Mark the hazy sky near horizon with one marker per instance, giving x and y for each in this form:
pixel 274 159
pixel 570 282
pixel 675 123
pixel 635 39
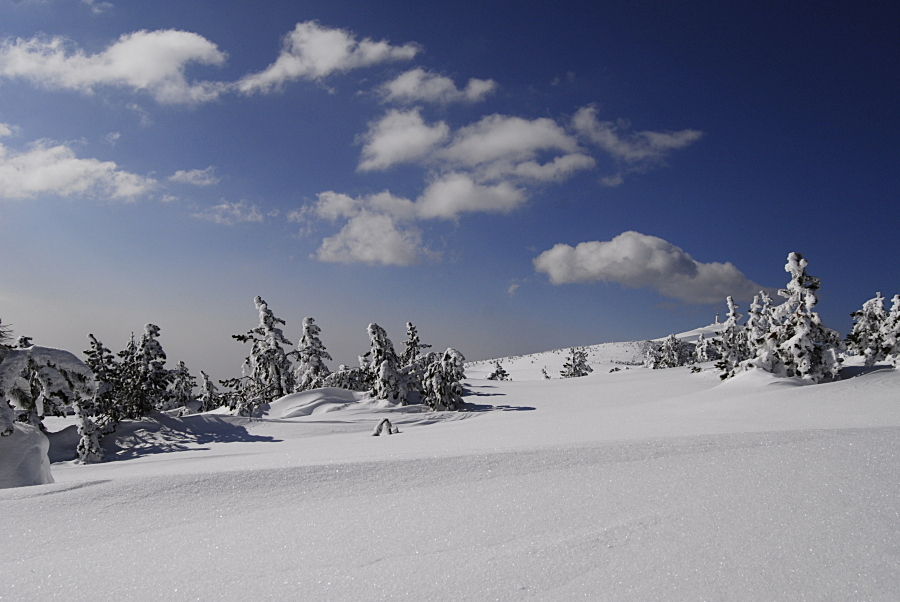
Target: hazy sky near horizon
pixel 510 176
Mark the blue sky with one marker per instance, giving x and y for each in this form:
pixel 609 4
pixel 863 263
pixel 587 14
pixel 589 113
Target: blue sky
pixel 509 176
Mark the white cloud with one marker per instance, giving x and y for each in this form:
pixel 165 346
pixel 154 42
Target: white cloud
pixel 640 261
pixel 196 177
pixel 312 52
pixel 54 169
pixel 626 146
pixel 6 130
pixel 504 138
pixel 418 85
pixel 457 193
pixel 112 137
pixel 97 7
pixel 400 137
pixel 511 291
pixel 146 61
pixel 229 214
pixel 373 238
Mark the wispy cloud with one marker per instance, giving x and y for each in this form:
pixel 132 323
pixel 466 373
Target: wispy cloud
pixel 97 7
pixel 229 214
pixel 51 168
pixel 196 177
pixel 637 260
pixel 144 61
pixel 635 151
pixel 418 85
pixel 313 52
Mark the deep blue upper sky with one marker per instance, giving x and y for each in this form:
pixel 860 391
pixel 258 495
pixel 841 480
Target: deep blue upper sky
pixel 156 168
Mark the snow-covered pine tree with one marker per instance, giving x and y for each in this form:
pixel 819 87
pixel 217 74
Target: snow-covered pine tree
pixel 798 344
pixel 385 378
pixel 267 373
pixel 544 375
pixel 669 353
pixel 867 336
pixel 576 364
pixel 891 330
pixel 345 377
pixel 733 345
pixel 499 372
pixel 209 394
pixel 759 323
pixel 154 377
pixel 311 370
pixel 705 350
pixel 412 348
pixel 182 389
pixel 442 383
pixel 39 381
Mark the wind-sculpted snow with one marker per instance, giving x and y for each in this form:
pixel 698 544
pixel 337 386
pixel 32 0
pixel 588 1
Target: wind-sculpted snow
pixel 632 485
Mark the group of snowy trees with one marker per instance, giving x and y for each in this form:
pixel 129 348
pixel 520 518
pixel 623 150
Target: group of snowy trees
pixel 788 339
pixel 269 371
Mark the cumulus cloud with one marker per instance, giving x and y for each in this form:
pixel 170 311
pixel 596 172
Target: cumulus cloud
pixel 637 260
pixel 47 168
pixel 373 238
pixel 313 52
pixel 196 177
pixel 457 193
pixel 147 61
pixel 418 85
pixel 229 214
pixel 636 151
pixel 400 137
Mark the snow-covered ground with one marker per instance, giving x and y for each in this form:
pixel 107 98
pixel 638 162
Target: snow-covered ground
pixel 634 484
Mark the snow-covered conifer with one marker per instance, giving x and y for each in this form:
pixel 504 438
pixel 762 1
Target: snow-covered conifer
pixel 311 370
pixel 759 323
pixel 345 377
pixel 210 399
pixel 39 381
pixel 669 353
pixel 867 337
pixel 442 383
pixel 891 330
pixel 798 344
pixel 576 364
pixel 385 378
pixel 412 348
pixel 182 390
pixel 544 375
pixel 733 345
pixel 499 372
pixel 705 350
pixel 267 373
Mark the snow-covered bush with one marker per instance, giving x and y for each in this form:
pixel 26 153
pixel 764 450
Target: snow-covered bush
pixel 182 390
pixel 387 427
pixel 442 384
pixel 38 381
pixel 868 335
pixel 669 353
pixel 733 345
pixel 386 381
pixel 576 364
pixel 705 350
pixel 798 344
pixel 544 375
pixel 499 372
pixel 311 370
pixel 267 373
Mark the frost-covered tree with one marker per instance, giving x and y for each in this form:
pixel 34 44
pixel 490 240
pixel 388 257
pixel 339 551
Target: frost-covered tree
pixel 412 347
pixel 544 375
pixel 705 350
pixel 733 345
pixel 760 321
pixel 576 364
pixel 798 344
pixel 182 390
pixel 345 377
pixel 499 372
pixel 385 377
pixel 669 353
pixel 442 383
pixel 867 336
pixel 267 373
pixel 891 330
pixel 210 399
pixel 311 370
pixel 39 381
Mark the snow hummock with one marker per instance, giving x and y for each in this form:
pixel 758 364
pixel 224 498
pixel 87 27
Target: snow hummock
pixel 635 484
pixel 24 457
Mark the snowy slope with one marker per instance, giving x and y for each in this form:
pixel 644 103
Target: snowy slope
pixel 633 485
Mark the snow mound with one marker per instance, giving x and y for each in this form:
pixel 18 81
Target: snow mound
pixel 25 460
pixel 307 403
